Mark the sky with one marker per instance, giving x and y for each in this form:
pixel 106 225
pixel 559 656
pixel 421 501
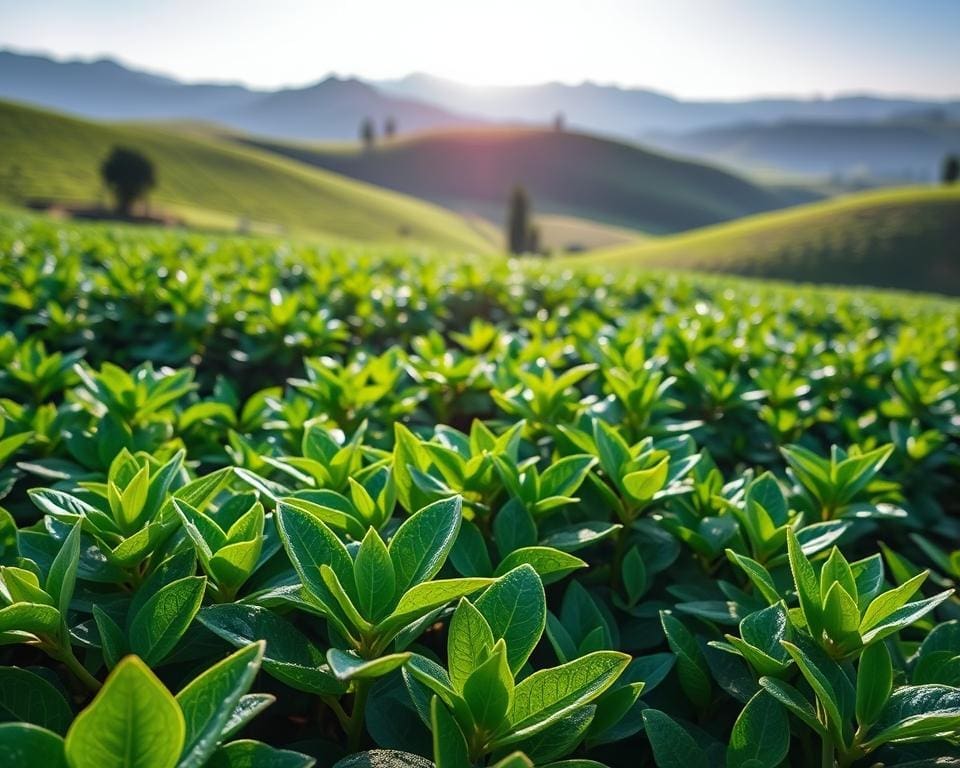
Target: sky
pixel 711 49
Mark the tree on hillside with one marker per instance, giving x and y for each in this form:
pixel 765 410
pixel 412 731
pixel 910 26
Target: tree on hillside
pixel 128 175
pixel 522 235
pixel 951 169
pixel 389 128
pixel 368 133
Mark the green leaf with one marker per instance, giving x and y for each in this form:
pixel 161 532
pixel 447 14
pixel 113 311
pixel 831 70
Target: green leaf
pixel 246 753
pixel 549 694
pixel 514 760
pixel 133 501
pixel 347 665
pixel 691 666
pixel 9 548
pixel 888 602
pixel 515 607
pixel 355 625
pixel 550 564
pixel 761 633
pixel 209 701
pixel 420 546
pixel 63 572
pixel 761 734
pixel 612 451
pixel 874 683
pixel 757 574
pixel 290 656
pixel 310 544
pixel 634 575
pixel 513 528
pixel 917 712
pixel 488 690
pixel 836 569
pixel 469 638
pixel 469 554
pixel 564 477
pixel 133 722
pixel 643 484
pixel 793 700
pixel 157 627
pixel 30 698
pixel 375 577
pixel 24 745
pixel 822 685
pixel 423 598
pixel 249 706
pixel 807 585
pixel 40 620
pixel 672 746
pixel 904 617
pixel 449 745
pixel 841 617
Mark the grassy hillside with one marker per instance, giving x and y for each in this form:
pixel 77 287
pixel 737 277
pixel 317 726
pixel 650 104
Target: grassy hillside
pixel 566 174
pixel 212 182
pixel 906 238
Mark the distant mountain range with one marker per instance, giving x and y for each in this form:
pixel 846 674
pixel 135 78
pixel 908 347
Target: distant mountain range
pixel 632 112
pixel 332 108
pixel 895 150
pixel 891 137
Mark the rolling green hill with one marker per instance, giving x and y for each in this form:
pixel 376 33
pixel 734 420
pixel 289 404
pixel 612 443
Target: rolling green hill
pixel 906 238
pixel 212 182
pixel 567 174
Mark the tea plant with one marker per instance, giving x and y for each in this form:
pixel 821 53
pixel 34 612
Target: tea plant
pixel 466 514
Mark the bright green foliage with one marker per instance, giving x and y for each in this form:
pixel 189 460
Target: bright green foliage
pixel 477 705
pixel 465 513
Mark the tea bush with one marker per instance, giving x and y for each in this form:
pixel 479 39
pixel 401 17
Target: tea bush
pixel 281 505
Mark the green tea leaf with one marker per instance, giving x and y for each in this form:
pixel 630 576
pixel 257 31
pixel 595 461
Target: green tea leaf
pixel 133 722
pixel 29 698
pixel 761 734
pixel 210 700
pixel 347 665
pixel 488 690
pixel 449 745
pixel 374 573
pixel 157 627
pixel 469 637
pixel 24 745
pixel 874 683
pixel 549 694
pixel 515 608
pixel 672 746
pixel 691 666
pixel 420 546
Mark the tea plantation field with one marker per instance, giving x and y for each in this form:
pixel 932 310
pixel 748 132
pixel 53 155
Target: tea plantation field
pixel 273 505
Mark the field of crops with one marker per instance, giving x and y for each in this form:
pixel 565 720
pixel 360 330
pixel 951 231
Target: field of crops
pixel 266 505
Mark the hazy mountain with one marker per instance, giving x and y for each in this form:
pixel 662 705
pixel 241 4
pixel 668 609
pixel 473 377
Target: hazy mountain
pixel 632 112
pixel 108 90
pixel 895 150
pixel 330 109
pixel 333 108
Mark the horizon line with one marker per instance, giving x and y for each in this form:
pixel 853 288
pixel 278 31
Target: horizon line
pixel 333 74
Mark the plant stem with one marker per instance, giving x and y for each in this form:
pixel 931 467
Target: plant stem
pixel 342 717
pixel 355 730
pixel 620 549
pixel 826 753
pixel 73 664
